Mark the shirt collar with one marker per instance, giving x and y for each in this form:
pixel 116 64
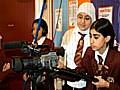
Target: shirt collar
pixel 102 55
pixel 76 30
pixel 41 40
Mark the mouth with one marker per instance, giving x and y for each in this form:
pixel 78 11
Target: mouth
pixel 92 46
pixel 83 26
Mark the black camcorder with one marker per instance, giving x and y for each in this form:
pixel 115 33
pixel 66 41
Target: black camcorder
pixel 34 64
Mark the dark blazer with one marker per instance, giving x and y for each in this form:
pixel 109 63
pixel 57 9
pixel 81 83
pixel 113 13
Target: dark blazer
pixel 89 65
pixel 50 43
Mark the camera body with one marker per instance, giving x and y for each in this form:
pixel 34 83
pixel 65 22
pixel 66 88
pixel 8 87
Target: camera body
pixel 34 64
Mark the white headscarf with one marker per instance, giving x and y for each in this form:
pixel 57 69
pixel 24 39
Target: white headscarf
pixel 87 8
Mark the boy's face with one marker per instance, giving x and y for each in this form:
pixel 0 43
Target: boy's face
pixel 84 21
pixel 97 41
pixel 35 29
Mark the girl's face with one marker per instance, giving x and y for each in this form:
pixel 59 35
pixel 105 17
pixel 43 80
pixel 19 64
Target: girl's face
pixel 97 41
pixel 84 21
pixel 35 29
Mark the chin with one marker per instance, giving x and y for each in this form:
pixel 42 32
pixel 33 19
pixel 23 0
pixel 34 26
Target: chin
pixel 83 29
pixel 94 48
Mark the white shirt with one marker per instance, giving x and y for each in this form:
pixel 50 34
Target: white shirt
pixel 70 53
pixel 40 41
pixel 102 55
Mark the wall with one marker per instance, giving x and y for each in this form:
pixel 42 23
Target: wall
pixel 16 19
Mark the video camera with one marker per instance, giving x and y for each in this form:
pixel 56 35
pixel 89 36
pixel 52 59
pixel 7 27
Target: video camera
pixel 34 64
pixel 38 68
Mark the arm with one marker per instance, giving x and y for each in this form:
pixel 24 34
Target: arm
pixel 85 63
pixel 64 43
pixel 112 80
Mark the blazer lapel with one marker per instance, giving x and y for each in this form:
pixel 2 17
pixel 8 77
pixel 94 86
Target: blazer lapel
pixel 94 63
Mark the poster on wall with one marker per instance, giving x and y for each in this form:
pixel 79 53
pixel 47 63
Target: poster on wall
pixel 105 12
pixel 58 19
pixel 72 13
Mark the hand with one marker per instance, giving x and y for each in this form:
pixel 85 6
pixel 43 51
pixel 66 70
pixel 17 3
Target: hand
pixel 101 83
pixel 6 67
pixel 25 76
pixel 34 45
pixel 60 62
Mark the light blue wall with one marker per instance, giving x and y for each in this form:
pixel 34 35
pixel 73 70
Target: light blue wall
pixel 58 35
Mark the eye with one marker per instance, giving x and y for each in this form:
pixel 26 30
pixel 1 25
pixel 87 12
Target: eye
pixel 80 17
pixel 96 37
pixel 87 18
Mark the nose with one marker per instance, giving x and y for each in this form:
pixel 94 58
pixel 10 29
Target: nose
pixel 91 40
pixel 83 20
pixel 34 32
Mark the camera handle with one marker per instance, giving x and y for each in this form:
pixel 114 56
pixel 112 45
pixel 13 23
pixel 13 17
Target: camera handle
pixel 30 83
pixel 33 85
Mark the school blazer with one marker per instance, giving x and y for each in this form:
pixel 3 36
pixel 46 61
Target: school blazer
pixel 89 65
pixel 49 43
pixel 49 48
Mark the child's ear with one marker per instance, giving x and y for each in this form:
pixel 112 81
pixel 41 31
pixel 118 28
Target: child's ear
pixel 108 38
pixel 43 31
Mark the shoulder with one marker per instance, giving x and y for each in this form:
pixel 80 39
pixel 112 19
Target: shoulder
pixel 47 40
pixel 114 55
pixel 68 32
pixel 66 38
pixel 115 51
pixel 89 49
pixel 89 52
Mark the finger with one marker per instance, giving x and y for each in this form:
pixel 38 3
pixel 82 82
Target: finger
pixel 8 65
pixel 98 77
pixel 94 83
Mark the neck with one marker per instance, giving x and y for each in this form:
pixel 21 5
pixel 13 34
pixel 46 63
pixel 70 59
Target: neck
pixel 102 50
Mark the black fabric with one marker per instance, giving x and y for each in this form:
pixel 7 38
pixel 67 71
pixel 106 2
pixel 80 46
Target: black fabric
pixel 100 59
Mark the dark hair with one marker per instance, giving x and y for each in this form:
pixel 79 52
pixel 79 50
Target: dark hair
pixel 104 27
pixel 43 25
